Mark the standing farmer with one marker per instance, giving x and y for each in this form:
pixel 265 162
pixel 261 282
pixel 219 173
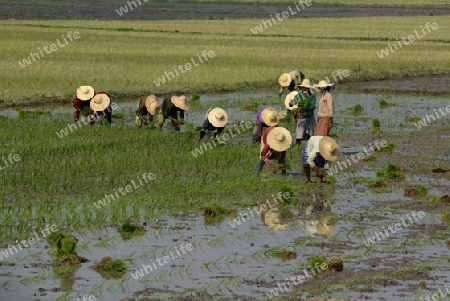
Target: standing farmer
pixel 275 142
pixel 147 106
pixel 305 101
pixel 173 108
pixel 101 106
pixel 82 101
pixel 290 81
pixel 317 151
pixel 265 117
pixel 214 123
pixel 326 109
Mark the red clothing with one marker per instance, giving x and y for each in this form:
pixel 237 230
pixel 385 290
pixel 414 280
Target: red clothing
pixel 265 148
pixel 79 106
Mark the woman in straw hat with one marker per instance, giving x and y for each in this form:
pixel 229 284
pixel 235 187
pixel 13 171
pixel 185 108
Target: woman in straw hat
pixel 305 102
pixel 326 109
pixel 275 142
pixel 101 107
pixel 81 101
pixel 173 108
pixel 214 123
pixel 317 151
pixel 290 81
pixel 264 118
pixel 147 106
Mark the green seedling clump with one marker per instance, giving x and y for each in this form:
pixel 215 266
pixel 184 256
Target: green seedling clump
pixel 110 268
pixel 195 97
pixel 356 110
pixel 422 190
pixel 128 231
pixel 316 260
pixel 65 246
pixel 389 148
pixel 285 213
pixel 282 253
pixel 445 217
pixel 214 212
pixel 392 172
pixel 370 158
pixel 375 123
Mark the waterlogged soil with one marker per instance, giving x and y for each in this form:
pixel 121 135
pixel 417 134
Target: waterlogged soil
pixel 233 259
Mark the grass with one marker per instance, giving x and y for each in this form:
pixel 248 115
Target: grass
pixel 392 172
pixel 174 43
pixel 127 231
pixel 111 268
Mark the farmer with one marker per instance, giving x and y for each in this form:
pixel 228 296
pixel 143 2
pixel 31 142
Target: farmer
pixel 214 123
pixel 101 107
pixel 147 106
pixel 326 109
pixel 264 118
pixel 305 102
pixel 290 81
pixel 275 142
pixel 317 151
pixel 82 101
pixel 173 108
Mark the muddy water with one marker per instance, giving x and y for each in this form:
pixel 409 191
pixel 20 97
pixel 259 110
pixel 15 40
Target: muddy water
pixel 235 262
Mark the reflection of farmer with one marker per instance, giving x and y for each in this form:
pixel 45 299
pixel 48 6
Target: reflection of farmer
pixel 101 106
pixel 173 108
pixel 81 102
pixel 275 142
pixel 264 118
pixel 214 123
pixel 290 81
pixel 318 149
pixel 326 109
pixel 147 107
pixel 305 104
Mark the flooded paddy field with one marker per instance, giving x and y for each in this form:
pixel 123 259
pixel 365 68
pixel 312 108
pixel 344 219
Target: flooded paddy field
pixel 388 231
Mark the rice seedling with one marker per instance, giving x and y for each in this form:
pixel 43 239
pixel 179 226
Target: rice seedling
pixel 389 148
pixel 214 212
pixel 356 110
pixel 412 118
pixel 111 268
pixel 445 217
pixel 392 172
pixel 65 248
pixel 127 230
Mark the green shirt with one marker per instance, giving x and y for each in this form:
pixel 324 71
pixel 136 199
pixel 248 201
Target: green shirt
pixel 306 104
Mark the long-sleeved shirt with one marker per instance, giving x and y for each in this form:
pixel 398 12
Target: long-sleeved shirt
pixel 326 108
pixel 312 150
pixel 169 110
pixel 208 127
pixel 265 146
pixel 108 110
pixel 295 77
pixel 79 105
pixel 142 109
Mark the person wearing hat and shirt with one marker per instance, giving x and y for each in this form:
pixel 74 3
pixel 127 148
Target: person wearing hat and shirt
pixel 147 105
pixel 101 106
pixel 275 142
pixel 81 102
pixel 290 81
pixel 326 109
pixel 214 123
pixel 317 151
pixel 265 117
pixel 173 108
pixel 305 102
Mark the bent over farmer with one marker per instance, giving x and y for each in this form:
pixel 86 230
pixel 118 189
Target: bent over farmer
pixel 101 107
pixel 274 143
pixel 265 117
pixel 214 123
pixel 146 110
pixel 173 108
pixel 317 151
pixel 81 102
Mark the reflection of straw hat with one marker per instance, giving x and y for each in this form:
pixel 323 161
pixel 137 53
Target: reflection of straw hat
pixel 279 139
pixel 328 148
pixel 305 84
pixel 270 116
pixel 285 79
pixel 288 98
pixel 322 226
pixel 271 219
pixel 85 93
pixel 100 102
pixel 323 84
pixel 180 102
pixel 218 117
pixel 152 104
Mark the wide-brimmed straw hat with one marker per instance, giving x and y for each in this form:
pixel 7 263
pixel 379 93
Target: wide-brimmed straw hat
pixel 306 83
pixel 323 84
pixel 152 104
pixel 328 149
pixel 85 93
pixel 288 98
pixel 218 117
pixel 285 79
pixel 270 116
pixel 100 102
pixel 180 102
pixel 279 139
